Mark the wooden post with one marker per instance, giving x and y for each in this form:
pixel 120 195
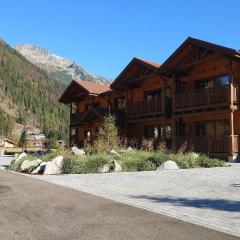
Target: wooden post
pixel 70 129
pixel 231 137
pixel 164 99
pixel 173 108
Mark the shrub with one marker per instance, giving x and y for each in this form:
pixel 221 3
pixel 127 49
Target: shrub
pixel 147 145
pixel 15 166
pixel 74 165
pixel 189 160
pixel 49 156
pixel 158 158
pixel 94 163
pixel 206 162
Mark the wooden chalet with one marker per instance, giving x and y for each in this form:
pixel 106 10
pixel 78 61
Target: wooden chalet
pixel 191 99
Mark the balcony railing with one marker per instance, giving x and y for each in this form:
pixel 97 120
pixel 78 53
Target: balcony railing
pixel 205 97
pixel 221 144
pixel 144 107
pixel 75 117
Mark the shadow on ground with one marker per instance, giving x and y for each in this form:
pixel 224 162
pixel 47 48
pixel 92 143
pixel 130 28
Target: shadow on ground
pixel 216 204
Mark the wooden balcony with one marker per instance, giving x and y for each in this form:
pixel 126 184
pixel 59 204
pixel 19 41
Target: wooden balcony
pixel 208 144
pixel 75 118
pixel 221 96
pixel 146 107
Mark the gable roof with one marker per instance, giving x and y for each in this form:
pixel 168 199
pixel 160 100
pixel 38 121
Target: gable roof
pixel 80 88
pixel 230 52
pixel 148 64
pixel 93 88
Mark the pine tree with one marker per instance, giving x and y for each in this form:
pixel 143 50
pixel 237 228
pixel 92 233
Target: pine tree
pixel 107 138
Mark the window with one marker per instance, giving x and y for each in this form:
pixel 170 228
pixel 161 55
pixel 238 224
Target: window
pixel 152 95
pixel 180 128
pixel 212 128
pixel 212 82
pixel 168 132
pixel 120 102
pixel 151 131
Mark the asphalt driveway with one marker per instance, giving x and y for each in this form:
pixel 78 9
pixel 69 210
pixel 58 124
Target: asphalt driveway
pixel 33 209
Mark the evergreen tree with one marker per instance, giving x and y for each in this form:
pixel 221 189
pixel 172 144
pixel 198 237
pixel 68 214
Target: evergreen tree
pixel 107 138
pixel 23 140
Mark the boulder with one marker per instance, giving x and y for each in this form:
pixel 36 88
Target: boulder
pixel 19 157
pixel 117 167
pixel 40 169
pixel 77 151
pixel 114 152
pixel 129 149
pixel 27 165
pixel 107 168
pixel 168 165
pixel 54 167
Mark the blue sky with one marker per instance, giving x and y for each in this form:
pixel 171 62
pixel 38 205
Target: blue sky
pixel 103 36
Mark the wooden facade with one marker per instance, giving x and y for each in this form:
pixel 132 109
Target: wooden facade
pixel 191 99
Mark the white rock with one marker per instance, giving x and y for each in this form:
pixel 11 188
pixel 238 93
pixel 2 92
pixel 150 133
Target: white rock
pixel 114 152
pixel 43 163
pixel 55 166
pixel 27 164
pixel 168 165
pixel 118 167
pixel 40 169
pixel 77 151
pixel 106 168
pixel 20 157
pixel 129 149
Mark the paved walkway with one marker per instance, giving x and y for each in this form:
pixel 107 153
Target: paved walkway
pixel 208 197
pixel 32 209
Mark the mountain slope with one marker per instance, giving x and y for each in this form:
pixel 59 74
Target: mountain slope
pixel 64 69
pixel 30 94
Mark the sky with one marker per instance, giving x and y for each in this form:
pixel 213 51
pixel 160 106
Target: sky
pixel 104 35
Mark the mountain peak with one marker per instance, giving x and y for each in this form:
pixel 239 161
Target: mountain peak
pixel 56 65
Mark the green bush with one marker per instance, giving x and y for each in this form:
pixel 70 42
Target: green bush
pixel 74 165
pixel 206 162
pixel 15 166
pixel 54 153
pixel 94 163
pixel 188 160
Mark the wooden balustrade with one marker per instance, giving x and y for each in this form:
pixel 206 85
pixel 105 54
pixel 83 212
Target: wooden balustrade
pixel 209 96
pixel 145 107
pixel 218 144
pixel 75 117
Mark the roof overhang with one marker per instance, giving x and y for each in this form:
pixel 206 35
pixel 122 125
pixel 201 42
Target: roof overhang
pixel 134 71
pixel 73 92
pixel 184 51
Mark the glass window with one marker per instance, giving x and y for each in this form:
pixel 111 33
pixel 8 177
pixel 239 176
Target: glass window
pixel 222 128
pixel 212 128
pixel 152 95
pixel 222 80
pixel 152 132
pixel 120 102
pixel 212 82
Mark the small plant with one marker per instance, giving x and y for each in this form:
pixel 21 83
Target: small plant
pixel 95 162
pixel 74 165
pixel 183 148
pixel 162 147
pixel 147 145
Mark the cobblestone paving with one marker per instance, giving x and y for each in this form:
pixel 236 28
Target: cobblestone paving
pixel 207 197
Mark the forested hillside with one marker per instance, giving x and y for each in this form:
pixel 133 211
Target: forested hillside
pixel 30 93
